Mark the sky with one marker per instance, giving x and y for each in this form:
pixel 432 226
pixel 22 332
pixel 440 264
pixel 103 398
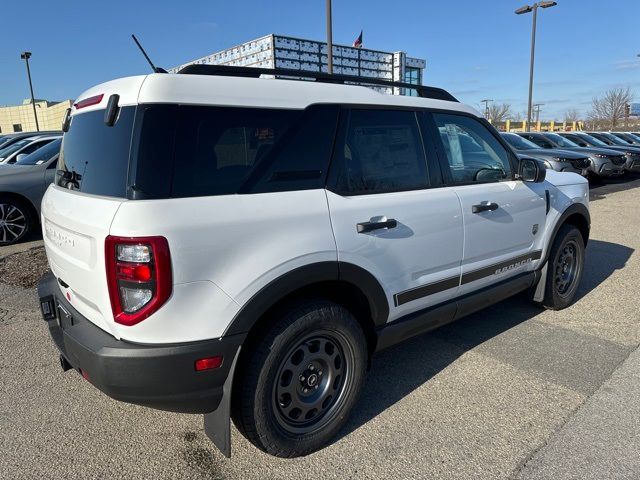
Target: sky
pixel 476 49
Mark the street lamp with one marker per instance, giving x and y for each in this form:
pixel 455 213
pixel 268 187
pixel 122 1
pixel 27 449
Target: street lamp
pixel 26 56
pixel 486 107
pixel 522 10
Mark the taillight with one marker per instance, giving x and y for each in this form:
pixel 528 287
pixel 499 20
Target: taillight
pixel 138 276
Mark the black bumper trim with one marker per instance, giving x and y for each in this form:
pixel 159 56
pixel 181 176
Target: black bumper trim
pixel 157 376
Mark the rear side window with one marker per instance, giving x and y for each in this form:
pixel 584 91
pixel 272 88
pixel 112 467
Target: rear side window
pixel 188 151
pixel 216 148
pixel 380 151
pixel 94 157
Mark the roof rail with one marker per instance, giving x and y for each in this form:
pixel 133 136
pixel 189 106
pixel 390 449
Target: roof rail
pixel 255 72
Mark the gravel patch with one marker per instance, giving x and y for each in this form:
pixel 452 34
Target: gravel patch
pixel 24 269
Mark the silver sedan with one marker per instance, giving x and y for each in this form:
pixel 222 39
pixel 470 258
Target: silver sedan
pixel 22 186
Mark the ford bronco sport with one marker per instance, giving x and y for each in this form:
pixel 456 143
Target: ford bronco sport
pixel 239 246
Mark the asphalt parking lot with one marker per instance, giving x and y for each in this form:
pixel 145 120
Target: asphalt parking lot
pixel 510 392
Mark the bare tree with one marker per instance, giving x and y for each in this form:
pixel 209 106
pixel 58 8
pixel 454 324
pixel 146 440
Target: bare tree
pixel 610 108
pixel 572 115
pixel 498 112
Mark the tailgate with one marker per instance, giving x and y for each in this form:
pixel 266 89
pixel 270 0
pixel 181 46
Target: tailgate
pixel 75 226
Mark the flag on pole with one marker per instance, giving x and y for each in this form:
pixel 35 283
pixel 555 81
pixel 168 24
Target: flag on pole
pixel 358 41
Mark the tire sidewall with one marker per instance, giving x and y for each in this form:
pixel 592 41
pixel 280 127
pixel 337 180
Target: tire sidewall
pixel 274 438
pixel 554 299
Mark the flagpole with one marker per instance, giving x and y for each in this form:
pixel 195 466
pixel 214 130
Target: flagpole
pixel 329 39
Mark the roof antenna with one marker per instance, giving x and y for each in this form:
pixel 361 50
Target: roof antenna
pixel 153 67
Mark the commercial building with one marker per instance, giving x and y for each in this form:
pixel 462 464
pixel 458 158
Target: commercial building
pixel 278 51
pixel 20 118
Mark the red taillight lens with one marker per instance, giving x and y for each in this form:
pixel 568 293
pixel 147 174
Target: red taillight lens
pixel 138 276
pixel 141 273
pixel 87 102
pixel 209 363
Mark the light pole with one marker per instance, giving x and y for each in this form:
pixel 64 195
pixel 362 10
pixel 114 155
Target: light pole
pixel 537 108
pixel 26 56
pixel 329 40
pixel 522 10
pixel 486 107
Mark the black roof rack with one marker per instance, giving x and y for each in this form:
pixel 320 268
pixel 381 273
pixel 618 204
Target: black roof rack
pixel 255 72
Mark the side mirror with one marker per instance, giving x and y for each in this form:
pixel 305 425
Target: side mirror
pixel 20 156
pixel 532 170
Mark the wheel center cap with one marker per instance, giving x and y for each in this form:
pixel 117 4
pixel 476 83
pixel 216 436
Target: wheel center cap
pixel 312 380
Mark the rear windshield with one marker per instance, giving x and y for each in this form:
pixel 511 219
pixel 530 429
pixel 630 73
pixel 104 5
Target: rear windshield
pixel 94 157
pixel 172 151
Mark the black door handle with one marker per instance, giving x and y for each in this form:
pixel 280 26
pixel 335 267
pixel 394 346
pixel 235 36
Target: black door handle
pixel 364 227
pixel 484 206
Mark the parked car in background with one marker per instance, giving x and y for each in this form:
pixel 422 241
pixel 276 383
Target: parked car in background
pixel 9 138
pixel 630 151
pixel 22 186
pixel 627 137
pixel 24 147
pixel 604 163
pixel 558 160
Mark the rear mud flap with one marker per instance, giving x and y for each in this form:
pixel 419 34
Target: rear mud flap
pixel 217 424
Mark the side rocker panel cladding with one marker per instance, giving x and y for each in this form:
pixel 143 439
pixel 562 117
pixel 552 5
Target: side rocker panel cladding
pixel 305 276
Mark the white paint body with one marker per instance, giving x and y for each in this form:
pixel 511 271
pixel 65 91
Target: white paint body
pixel 224 249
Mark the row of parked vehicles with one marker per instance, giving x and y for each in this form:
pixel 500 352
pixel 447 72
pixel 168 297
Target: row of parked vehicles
pixel 28 165
pixel 594 154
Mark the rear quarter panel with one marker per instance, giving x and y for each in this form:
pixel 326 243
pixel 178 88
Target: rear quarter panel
pixel 229 247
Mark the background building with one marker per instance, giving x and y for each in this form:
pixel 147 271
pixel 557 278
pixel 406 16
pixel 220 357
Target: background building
pixel 20 117
pixel 277 51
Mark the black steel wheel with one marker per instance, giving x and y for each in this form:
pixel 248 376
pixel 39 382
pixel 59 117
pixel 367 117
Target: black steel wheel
pixel 565 267
pixel 311 380
pixel 15 221
pixel 296 387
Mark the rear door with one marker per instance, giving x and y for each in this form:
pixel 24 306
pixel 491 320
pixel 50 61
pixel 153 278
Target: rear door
pixel 389 212
pixel 503 217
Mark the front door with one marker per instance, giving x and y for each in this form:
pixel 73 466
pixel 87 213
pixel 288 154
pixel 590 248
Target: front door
pixel 503 217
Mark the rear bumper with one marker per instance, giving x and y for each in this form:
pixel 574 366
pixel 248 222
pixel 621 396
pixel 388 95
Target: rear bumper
pixel 157 376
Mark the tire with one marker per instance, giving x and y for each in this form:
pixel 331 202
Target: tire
pixel 315 354
pixel 566 265
pixel 15 220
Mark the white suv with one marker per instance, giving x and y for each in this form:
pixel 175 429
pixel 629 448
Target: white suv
pixel 239 246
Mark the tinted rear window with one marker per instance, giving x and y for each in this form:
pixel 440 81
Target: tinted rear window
pixel 222 151
pixel 94 157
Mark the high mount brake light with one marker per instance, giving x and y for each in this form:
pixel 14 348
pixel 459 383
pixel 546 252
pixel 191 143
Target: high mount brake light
pixel 87 102
pixel 138 276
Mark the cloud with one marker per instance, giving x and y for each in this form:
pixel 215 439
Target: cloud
pixel 627 64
